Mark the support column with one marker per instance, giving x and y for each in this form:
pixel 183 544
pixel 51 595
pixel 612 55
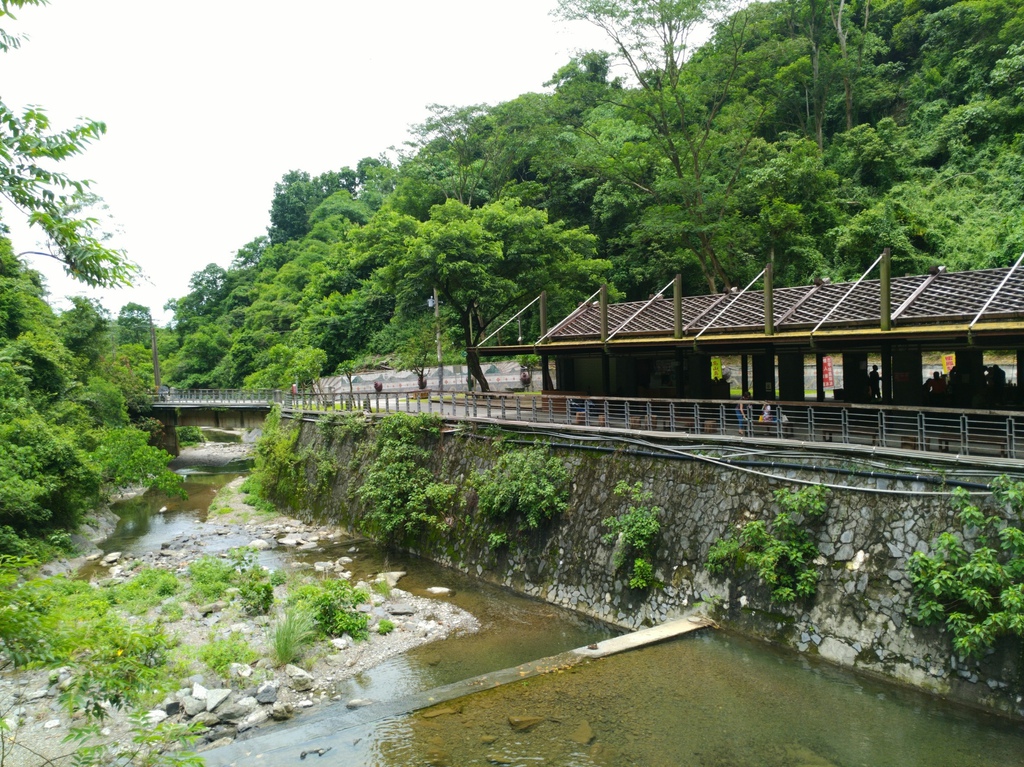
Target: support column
pixel 855 377
pixel 677 307
pixel 603 308
pixel 606 375
pixel 887 397
pixel 907 377
pixel 680 373
pixel 545 374
pixel 791 377
pixel 819 376
pixel 764 374
pixel 744 375
pixel 698 376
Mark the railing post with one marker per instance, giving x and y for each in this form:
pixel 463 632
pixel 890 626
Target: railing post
pixel 721 418
pixel 533 409
pixel 626 425
pixel 845 423
pixel 519 413
pixel 965 437
pixel 671 416
pixel 1011 437
pixel 922 432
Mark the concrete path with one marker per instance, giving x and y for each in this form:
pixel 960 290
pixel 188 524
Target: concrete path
pixel 331 728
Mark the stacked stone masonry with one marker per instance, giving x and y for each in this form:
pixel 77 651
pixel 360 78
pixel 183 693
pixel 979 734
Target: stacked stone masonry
pixel 860 618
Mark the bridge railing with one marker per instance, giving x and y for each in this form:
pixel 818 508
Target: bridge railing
pixel 998 434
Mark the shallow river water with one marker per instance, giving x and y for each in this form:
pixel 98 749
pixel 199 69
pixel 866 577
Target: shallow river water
pixel 708 700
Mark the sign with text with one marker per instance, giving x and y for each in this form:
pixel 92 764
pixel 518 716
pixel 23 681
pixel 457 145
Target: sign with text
pixel 948 363
pixel 827 379
pixel 716 368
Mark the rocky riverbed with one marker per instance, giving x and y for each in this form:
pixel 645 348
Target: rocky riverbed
pixel 250 696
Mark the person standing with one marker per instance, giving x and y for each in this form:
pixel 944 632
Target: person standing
pixel 875 383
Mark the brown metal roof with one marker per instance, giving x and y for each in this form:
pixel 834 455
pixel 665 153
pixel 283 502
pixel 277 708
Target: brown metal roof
pixel 942 298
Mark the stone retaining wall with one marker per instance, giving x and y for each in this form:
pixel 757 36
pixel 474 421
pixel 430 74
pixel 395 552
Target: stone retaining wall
pixel 861 616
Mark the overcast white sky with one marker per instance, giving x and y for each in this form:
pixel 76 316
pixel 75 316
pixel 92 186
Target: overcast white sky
pixel 207 105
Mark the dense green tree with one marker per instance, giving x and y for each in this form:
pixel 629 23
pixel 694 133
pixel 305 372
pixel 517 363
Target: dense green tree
pixel 486 261
pixel 133 323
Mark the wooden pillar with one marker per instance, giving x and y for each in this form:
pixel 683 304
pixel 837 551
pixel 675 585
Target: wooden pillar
pixel 885 288
pixel 545 373
pixel 769 302
pixel 604 313
pixel 744 376
pixel 543 314
pixel 606 374
pixel 677 306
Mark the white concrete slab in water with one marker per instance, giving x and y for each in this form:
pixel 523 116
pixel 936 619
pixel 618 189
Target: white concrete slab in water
pixel 644 637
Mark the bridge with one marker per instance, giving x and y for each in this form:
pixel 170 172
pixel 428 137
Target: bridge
pixel 988 438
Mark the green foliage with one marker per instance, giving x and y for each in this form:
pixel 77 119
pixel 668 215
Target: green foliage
pixel 399 490
pixel 639 528
pixel 782 553
pixel 278 472
pixel 291 635
pixel 221 653
pixel 973 579
pixel 497 540
pixel 190 435
pixel 211 577
pixel 332 604
pixel 166 744
pixel 127 459
pixel 148 588
pixel 256 593
pixel 385 627
pixel 527 485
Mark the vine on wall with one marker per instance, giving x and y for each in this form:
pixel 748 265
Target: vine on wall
pixel 637 529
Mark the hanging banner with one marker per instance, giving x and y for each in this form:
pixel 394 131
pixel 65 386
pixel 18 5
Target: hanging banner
pixel 827 381
pixel 716 368
pixel 948 363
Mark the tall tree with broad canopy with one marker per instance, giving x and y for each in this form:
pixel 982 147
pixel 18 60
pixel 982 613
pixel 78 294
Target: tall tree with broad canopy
pixel 701 126
pixel 488 261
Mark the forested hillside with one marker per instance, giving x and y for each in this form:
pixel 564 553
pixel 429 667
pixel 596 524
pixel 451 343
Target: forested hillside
pixel 807 133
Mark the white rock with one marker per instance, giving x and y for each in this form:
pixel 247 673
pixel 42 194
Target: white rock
pixel 199 692
pixel 155 716
pixel 358 703
pixel 51 724
pixel 259 544
pixel 112 557
pixel 439 591
pixel 215 697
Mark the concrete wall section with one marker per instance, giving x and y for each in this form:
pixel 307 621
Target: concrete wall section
pixel 862 614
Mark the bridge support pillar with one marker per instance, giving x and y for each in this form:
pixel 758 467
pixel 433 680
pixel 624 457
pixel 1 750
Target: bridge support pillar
pixel 168 439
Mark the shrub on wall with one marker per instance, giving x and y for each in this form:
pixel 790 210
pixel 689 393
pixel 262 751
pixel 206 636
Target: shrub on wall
pixel 973 579
pixel 400 491
pixel 527 485
pixel 781 552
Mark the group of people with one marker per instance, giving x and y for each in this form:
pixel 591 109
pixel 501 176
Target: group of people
pixel 745 413
pixel 948 389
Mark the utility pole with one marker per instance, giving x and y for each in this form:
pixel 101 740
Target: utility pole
pixel 156 357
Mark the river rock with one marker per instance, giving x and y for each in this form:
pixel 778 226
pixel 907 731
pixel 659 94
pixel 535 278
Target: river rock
pixel 212 607
pixel 207 718
pixel 301 679
pixel 522 723
pixel 281 711
pixel 225 741
pixel 267 692
pixel 439 591
pixel 259 544
pixel 291 540
pixel 215 697
pixel 400 608
pixel 193 706
pixel 358 703
pixel 392 578
pixel 111 558
pixel 155 716
pixel 235 712
pixel 254 719
pixel 582 734
pixel 198 691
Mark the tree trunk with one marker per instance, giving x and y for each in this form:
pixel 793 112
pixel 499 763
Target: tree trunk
pixel 473 362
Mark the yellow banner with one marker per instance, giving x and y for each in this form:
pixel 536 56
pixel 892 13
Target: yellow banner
pixel 716 368
pixel 948 362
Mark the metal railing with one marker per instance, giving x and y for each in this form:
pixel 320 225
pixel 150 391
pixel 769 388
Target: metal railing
pixel 874 428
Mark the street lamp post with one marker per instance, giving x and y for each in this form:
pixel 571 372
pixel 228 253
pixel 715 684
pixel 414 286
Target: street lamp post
pixel 436 304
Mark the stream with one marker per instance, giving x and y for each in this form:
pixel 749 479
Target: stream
pixel 708 700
